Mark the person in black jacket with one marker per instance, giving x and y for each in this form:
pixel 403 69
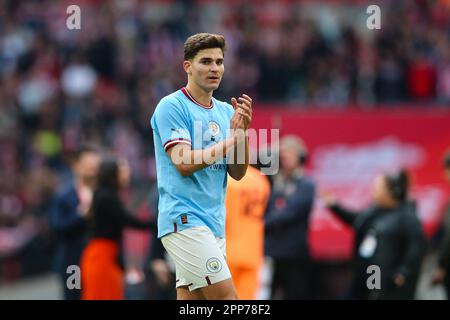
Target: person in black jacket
pixel 68 213
pixel 160 278
pixel 441 274
pixel 101 270
pixel 387 235
pixel 286 223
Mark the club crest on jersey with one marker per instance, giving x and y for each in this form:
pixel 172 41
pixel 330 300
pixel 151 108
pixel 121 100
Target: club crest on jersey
pixel 213 265
pixel 214 128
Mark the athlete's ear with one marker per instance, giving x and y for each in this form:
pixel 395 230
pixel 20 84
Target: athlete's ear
pixel 187 66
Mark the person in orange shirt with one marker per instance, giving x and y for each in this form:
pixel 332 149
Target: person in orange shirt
pixel 245 203
pixel 102 274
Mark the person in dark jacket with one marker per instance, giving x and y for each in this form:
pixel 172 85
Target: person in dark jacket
pixel 441 274
pixel 387 235
pixel 286 223
pixel 160 278
pixel 68 216
pixel 101 271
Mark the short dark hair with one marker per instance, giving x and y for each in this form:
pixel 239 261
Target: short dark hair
pixel 398 185
pixel 201 41
pixel 108 173
pixel 447 161
pixel 83 149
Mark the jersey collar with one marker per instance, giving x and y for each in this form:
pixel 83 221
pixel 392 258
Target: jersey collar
pixel 190 97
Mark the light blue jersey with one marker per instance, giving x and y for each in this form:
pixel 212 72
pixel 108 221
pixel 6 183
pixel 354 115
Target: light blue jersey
pixel 196 200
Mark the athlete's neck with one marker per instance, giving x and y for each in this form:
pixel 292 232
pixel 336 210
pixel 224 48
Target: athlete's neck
pixel 199 94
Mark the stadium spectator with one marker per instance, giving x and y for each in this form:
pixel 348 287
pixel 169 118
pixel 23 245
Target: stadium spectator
pixel 101 273
pixel 68 215
pixel 287 220
pixel 388 235
pixel 442 273
pixel 159 275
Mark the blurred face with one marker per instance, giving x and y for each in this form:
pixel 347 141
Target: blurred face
pixel 124 173
pixel 288 159
pixel 206 69
pixel 380 192
pixel 87 166
pixel 447 174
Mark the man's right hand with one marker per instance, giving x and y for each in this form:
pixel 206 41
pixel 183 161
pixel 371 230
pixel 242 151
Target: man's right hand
pixel 327 198
pixel 242 112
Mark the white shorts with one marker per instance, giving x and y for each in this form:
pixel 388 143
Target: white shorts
pixel 199 257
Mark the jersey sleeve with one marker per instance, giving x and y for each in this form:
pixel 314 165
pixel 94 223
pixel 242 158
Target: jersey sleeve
pixel 172 125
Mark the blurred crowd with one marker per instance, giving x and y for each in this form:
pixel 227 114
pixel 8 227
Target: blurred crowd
pixel 60 88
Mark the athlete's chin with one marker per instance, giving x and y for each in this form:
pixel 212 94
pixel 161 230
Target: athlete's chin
pixel 212 86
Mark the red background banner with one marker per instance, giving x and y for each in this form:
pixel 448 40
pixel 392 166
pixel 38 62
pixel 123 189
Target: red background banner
pixel 347 149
